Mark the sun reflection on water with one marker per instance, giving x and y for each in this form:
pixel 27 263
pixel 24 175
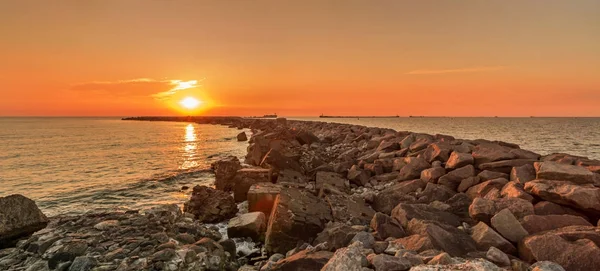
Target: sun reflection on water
pixel 189 150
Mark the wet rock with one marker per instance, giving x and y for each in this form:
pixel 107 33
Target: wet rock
pixel 298 216
pixel 247 177
pixel 225 171
pixel 556 171
pixel 522 174
pixel 574 248
pixel 303 260
pixel 210 205
pixel 349 258
pixel 508 226
pixel 432 175
pixel 261 197
pixel 453 178
pixel 498 257
pixel 19 217
pixel 404 213
pixel 384 226
pixel 583 197
pixel 459 160
pixel 443 237
pixel 539 223
pixel 387 262
pixel 251 225
pixel 242 137
pixel 485 237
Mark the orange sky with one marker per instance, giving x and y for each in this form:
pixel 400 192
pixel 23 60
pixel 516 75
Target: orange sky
pixel 300 58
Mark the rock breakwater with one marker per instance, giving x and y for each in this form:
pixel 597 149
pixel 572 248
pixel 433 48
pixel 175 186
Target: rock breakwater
pixel 344 197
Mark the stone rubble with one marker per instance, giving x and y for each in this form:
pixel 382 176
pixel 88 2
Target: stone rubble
pixel 327 196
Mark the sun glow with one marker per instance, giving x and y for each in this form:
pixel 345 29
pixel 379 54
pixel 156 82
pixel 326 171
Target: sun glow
pixel 190 102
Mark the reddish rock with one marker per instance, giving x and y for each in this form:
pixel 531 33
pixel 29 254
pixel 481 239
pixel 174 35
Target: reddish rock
pixel 453 178
pixel 583 197
pixel 297 215
pixel 515 190
pixel 482 189
pixel 358 176
pixel 374 168
pixel 406 212
pixel 432 175
pixel 247 177
pixel 522 174
pixel 251 225
pixel 333 179
pixel 389 198
pixel 385 226
pixel 575 248
pixel 538 223
pixel 508 226
pixel 487 175
pixel 434 192
pixel 485 153
pixel 482 209
pixel 438 151
pixel 562 172
pixel 505 166
pixel 261 197
pixel 413 169
pixel 551 208
pixel 458 160
pixel 305 260
pixel 519 207
pixel 443 236
pixel 485 237
pixel 415 242
pixel 468 183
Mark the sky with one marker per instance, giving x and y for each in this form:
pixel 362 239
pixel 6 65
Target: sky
pixel 300 58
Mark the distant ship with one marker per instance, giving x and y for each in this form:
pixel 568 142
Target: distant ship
pixel 270 116
pixel 355 117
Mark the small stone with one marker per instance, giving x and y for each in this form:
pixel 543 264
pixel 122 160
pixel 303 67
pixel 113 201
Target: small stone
pixel 106 225
pixel 546 266
pixel 498 257
pixel 365 238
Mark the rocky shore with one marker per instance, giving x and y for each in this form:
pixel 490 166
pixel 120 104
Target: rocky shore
pixel 327 196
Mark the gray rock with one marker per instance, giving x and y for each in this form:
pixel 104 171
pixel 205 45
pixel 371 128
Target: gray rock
pixel 546 266
pixel 349 258
pixel 508 226
pixel 498 257
pixel 83 263
pixel 365 238
pixel 19 217
pixel 389 263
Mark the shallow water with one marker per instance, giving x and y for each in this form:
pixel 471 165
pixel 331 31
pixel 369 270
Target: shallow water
pixel 74 165
pixel 578 136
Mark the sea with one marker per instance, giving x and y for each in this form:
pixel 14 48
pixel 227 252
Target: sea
pixel 78 165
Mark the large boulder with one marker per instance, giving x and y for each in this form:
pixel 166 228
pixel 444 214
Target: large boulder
pixel 453 178
pixel 562 172
pixel 19 217
pixel 225 171
pixel 584 197
pixel 551 208
pixel 412 170
pixel 438 151
pixel 261 197
pixel 443 236
pixel 485 237
pixel 385 226
pixel 489 152
pixel 458 160
pixel 515 190
pixel 389 198
pixel 333 179
pixel 242 137
pixel 349 258
pixel 539 223
pixel 575 248
pixel 405 212
pixel 298 215
pixel 251 225
pixel 506 166
pixel 305 260
pixel 522 174
pixel 247 177
pixel 508 226
pixel 210 205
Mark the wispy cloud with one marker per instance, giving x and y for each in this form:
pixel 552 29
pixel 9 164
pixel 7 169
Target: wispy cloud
pixel 462 70
pixel 158 89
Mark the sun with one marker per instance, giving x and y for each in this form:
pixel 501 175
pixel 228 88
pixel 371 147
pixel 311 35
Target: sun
pixel 190 102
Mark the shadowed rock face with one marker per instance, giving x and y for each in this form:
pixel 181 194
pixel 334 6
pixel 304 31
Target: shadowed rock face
pixel 582 197
pixel 19 217
pixel 210 205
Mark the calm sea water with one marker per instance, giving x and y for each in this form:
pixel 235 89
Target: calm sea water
pixel 74 165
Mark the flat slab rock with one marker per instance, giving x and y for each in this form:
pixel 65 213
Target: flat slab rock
pixel 563 172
